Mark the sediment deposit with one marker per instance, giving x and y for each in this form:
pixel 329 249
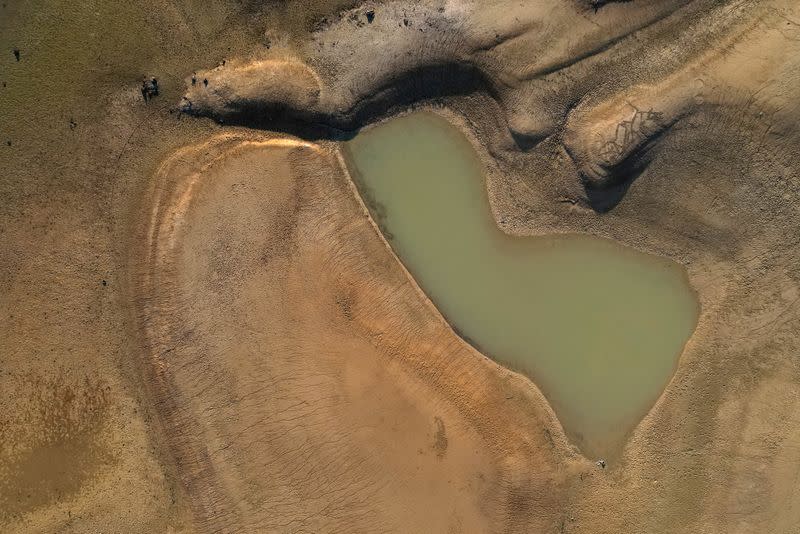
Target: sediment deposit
pixel 205 311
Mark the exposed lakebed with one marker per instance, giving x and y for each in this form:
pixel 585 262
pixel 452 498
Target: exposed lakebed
pixel 599 327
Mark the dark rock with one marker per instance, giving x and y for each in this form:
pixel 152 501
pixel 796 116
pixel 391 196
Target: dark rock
pixel 149 89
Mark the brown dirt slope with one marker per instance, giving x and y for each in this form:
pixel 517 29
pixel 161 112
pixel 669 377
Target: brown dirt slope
pixel 256 358
pixel 305 381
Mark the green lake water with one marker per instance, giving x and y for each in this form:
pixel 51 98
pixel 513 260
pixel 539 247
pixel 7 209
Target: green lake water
pixel 597 326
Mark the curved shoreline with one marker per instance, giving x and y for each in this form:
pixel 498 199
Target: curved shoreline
pixel 568 411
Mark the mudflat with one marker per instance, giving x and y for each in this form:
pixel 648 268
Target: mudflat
pixel 203 329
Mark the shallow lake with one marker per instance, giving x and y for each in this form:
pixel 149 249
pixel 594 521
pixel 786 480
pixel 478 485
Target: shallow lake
pixel 599 327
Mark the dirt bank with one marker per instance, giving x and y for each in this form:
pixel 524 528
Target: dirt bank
pixel 246 354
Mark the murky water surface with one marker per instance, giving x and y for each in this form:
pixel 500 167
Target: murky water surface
pixel 597 326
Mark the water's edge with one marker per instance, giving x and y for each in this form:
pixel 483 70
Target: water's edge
pixel 378 212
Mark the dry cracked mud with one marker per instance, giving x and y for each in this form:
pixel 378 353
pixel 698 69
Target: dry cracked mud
pixel 202 330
